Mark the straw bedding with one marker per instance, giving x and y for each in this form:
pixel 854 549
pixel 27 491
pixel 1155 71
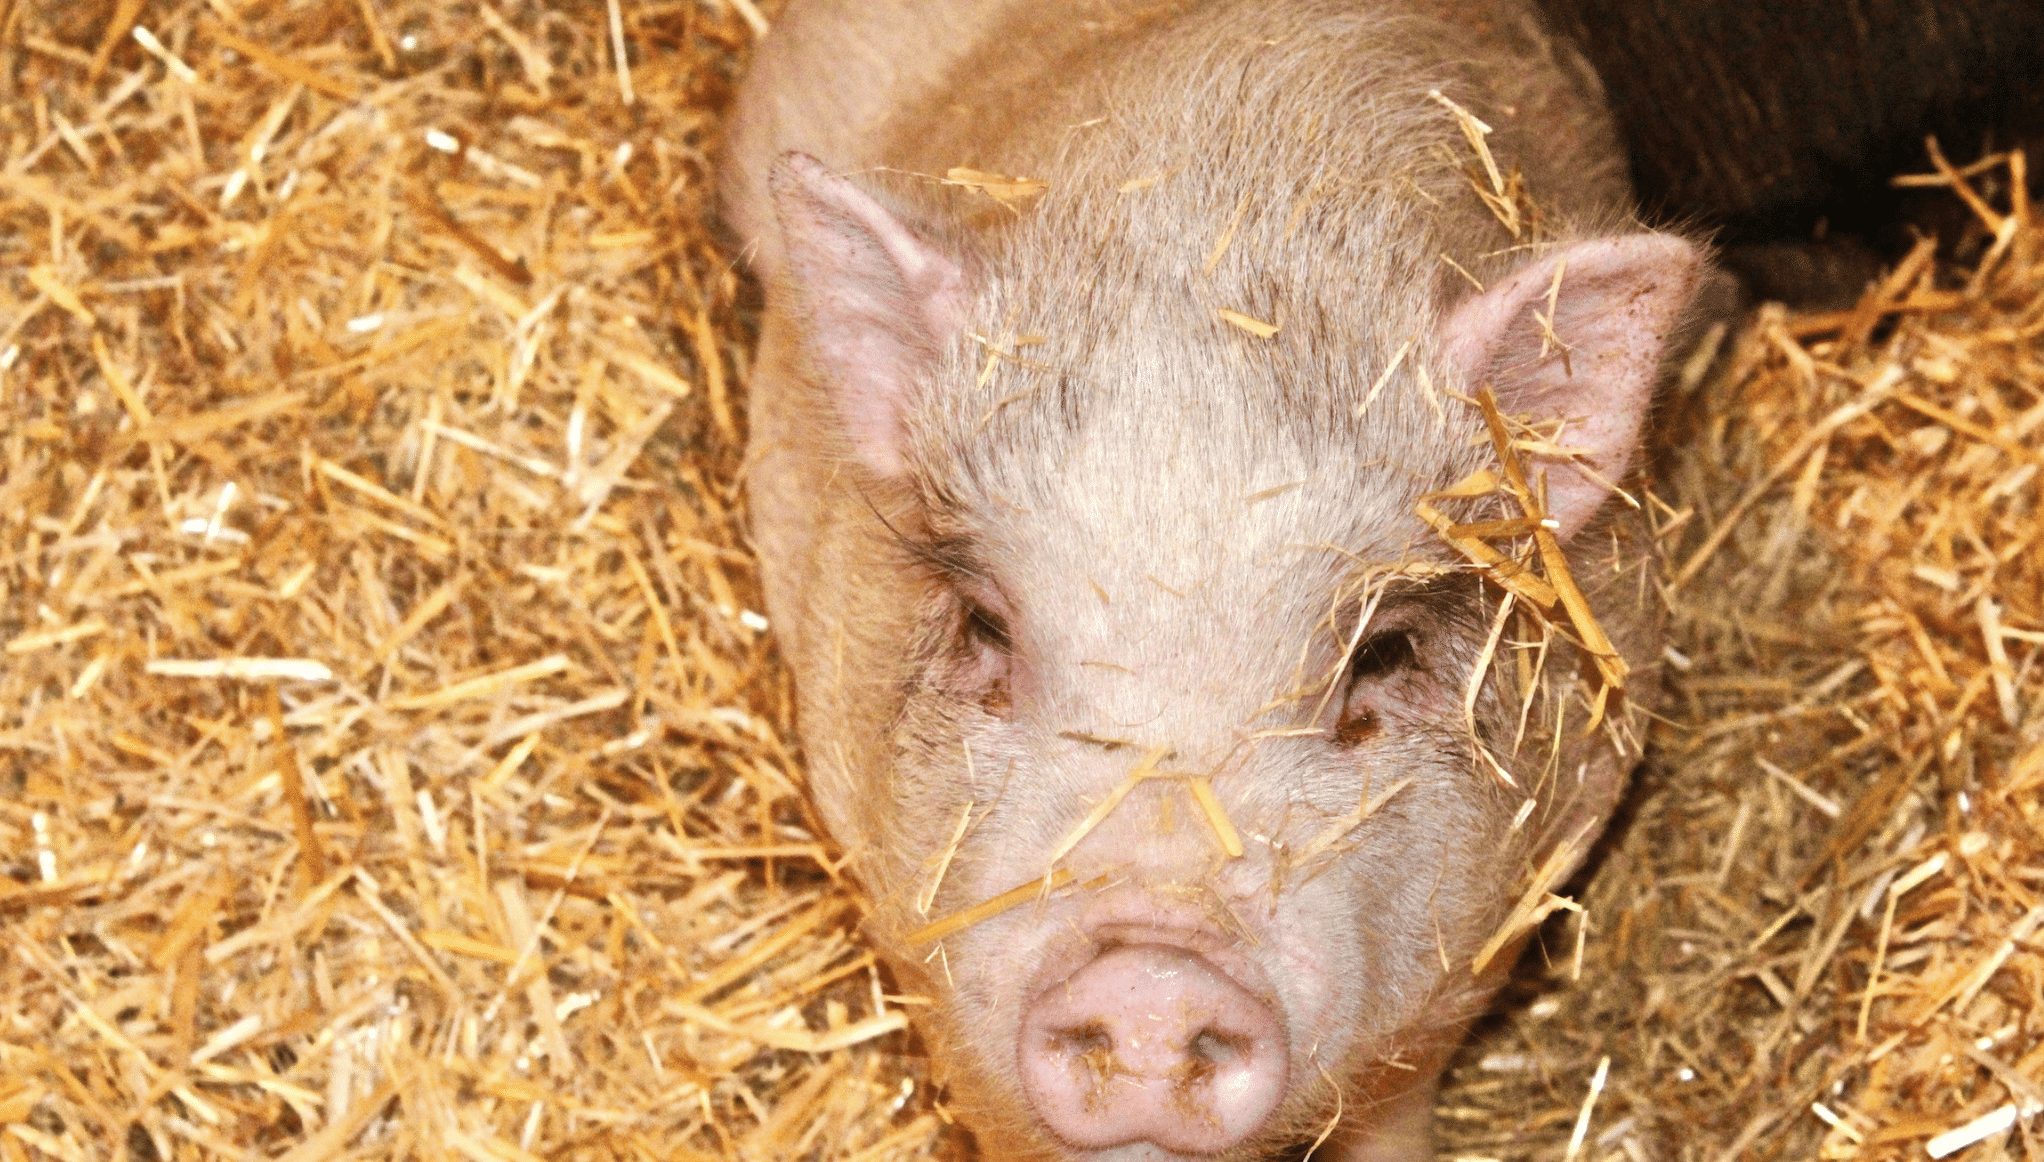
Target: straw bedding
pixel 393 763
pixel 1818 935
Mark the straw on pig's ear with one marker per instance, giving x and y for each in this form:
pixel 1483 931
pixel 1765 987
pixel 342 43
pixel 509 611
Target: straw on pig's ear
pixel 1588 350
pixel 878 300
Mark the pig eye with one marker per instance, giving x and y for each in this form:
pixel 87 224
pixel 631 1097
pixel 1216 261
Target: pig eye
pixel 1382 655
pixel 1377 659
pixel 986 658
pixel 985 630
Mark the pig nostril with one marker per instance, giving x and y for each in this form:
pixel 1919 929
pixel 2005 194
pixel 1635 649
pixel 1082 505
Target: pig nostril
pixel 1217 1049
pixel 1084 1040
pixel 1090 1048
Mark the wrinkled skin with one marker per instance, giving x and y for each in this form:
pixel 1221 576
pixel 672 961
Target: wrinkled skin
pixel 1031 517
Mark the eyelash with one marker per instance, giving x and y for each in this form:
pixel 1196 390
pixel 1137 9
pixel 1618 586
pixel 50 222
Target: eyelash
pixel 986 628
pixel 986 660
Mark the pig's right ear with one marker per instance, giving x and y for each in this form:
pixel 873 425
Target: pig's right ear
pixel 878 301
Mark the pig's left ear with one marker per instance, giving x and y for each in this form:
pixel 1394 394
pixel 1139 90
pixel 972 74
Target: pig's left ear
pixel 878 301
pixel 1620 304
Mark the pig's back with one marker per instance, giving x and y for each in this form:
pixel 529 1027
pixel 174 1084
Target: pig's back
pixel 833 76
pixel 1015 86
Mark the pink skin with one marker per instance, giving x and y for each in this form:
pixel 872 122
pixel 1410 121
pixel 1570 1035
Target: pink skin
pixel 1152 1043
pixel 1288 971
pixel 1351 958
pixel 1028 513
pixel 1335 980
pixel 1341 980
pixel 1159 969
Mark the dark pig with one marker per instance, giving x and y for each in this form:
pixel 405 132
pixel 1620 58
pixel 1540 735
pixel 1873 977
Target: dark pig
pixel 1108 351
pixel 1779 125
pixel 1761 118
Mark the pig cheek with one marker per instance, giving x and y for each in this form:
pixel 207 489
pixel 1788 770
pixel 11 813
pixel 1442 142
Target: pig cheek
pixel 1376 938
pixel 977 1010
pixel 980 997
pixel 1307 940
pixel 946 755
pixel 1321 998
pixel 1355 973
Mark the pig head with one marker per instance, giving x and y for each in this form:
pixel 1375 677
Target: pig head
pixel 1086 517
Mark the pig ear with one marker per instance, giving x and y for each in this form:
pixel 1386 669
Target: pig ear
pixel 1620 303
pixel 878 301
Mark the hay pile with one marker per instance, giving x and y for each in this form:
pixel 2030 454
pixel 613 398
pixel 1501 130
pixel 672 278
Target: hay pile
pixel 394 766
pixel 1819 935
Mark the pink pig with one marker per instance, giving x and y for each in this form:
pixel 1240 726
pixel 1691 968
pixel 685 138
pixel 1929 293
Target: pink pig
pixel 1086 516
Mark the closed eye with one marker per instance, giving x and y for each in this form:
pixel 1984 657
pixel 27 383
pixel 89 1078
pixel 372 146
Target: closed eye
pixel 987 658
pixel 987 629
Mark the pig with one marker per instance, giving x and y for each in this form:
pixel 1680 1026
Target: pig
pixel 1767 120
pixel 1109 348
pixel 1779 126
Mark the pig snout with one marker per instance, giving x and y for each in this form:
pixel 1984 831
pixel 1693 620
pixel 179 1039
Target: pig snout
pixel 1152 1043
